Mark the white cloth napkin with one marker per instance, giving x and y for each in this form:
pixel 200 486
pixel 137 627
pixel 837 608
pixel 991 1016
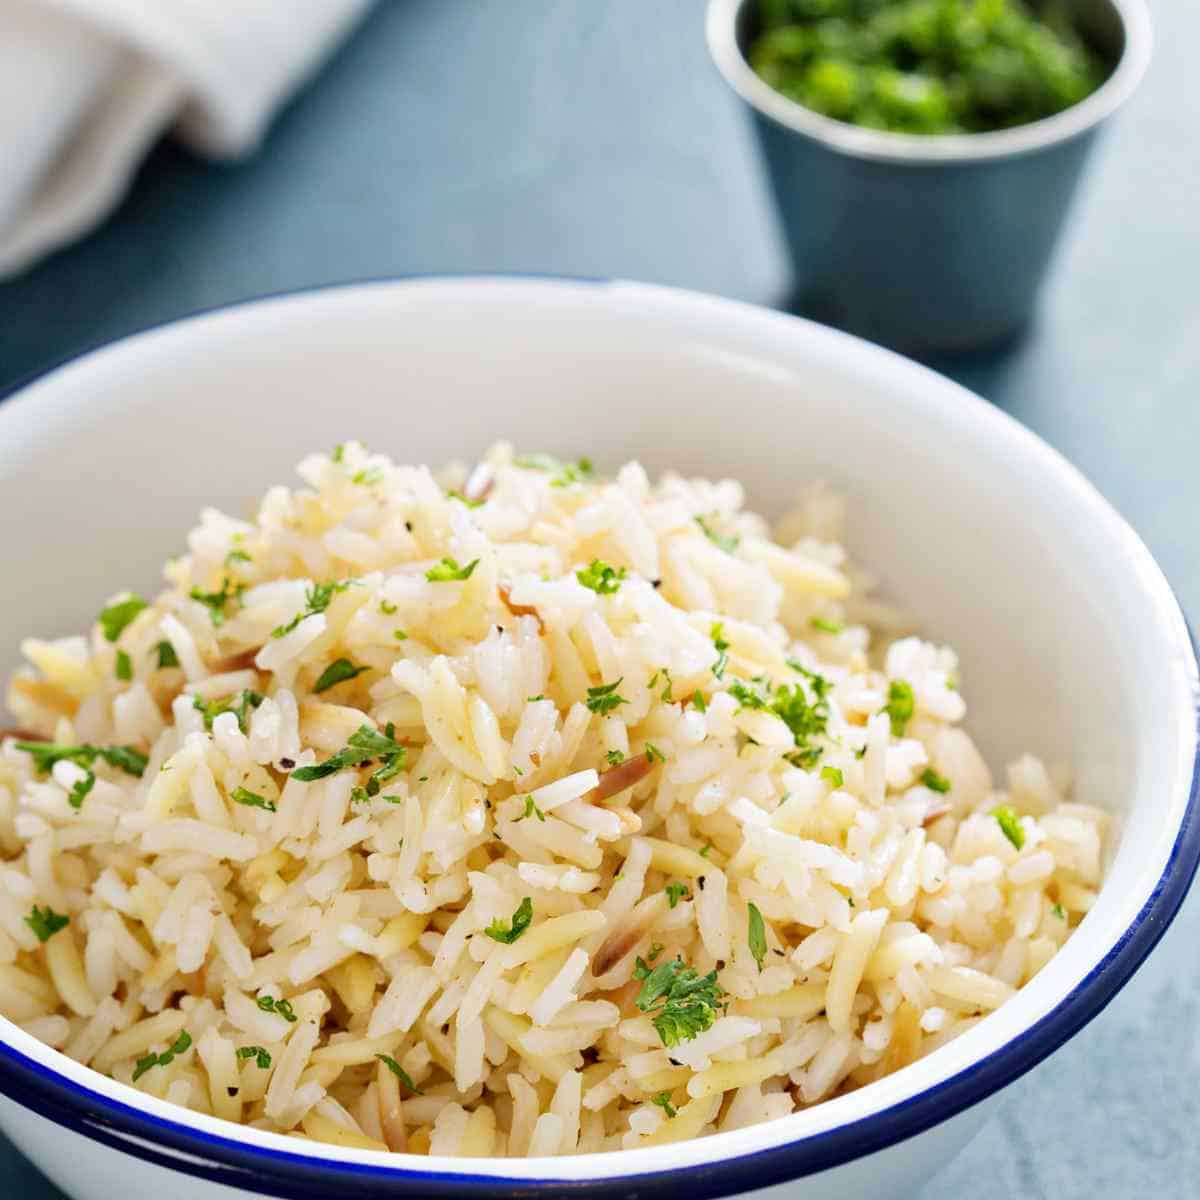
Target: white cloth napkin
pixel 87 86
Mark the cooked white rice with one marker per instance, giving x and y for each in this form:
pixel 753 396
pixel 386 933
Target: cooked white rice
pixel 249 943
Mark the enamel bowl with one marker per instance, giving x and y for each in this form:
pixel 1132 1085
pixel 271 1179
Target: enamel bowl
pixel 1072 644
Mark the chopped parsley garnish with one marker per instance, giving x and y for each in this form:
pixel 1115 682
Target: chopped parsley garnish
pixel 675 892
pixel 698 701
pixel 337 672
pixel 717 633
pixel 80 790
pixel 1010 824
pixel 117 615
pixel 565 473
pixel 400 635
pixel 237 556
pixel 124 667
pixel 368 476
pixel 364 745
pixel 935 782
pixel 338 453
pixel 655 950
pixel 900 705
pixel 726 542
pixel 262 1057
pixel 448 571
pixel 601 578
pixel 824 625
pixel 833 776
pixel 604 699
pixel 615 758
pixel 1059 912
pixel 166 655
pixel 463 499
pixel 386 607
pixel 316 600
pixel 211 709
pixel 705 850
pixel 240 795
pixel 806 718
pixel 46 754
pixel 654 754
pixel 668 695
pixel 400 1073
pixel 756 933
pixel 521 920
pixel 682 1003
pixel 282 1007
pixel 45 922
pixel 178 1046
pixel 215 602
pixel 663 1101
pixel 531 810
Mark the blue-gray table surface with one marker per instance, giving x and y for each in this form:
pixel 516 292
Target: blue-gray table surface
pixel 567 137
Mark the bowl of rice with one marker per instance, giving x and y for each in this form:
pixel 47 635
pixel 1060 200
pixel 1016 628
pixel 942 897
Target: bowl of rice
pixel 592 736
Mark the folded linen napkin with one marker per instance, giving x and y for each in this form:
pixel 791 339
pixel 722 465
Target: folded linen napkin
pixel 87 86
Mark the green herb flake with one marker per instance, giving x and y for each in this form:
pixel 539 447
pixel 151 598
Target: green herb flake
pixel 705 850
pixel 604 699
pixel 900 705
pixel 118 615
pixel 448 571
pixel 45 922
pixel 338 671
pixel 368 476
pixel 521 920
pixel 654 754
pixel 802 707
pixel 1010 824
pixel 240 795
pixel 261 1056
pixel 698 701
pixel 656 949
pixel 675 892
pixel 400 1073
pixel 824 625
pixel 338 453
pixel 728 543
pixel 682 1003
pixel 400 635
pixel 615 758
pixel 1059 912
pixel 833 776
pixel 80 789
pixel 603 579
pixel 663 1101
pixel 237 556
pixel 463 499
pixel 316 600
pixel 935 782
pixel 124 667
pixel 178 1046
pixel 282 1007
pixel 46 754
pixel 531 810
pixel 756 933
pixel 216 602
pixel 241 708
pixel 166 655
pixel 720 645
pixel 364 745
pixel 386 607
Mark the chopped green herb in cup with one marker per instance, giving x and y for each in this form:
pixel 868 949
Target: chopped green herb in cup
pixel 925 66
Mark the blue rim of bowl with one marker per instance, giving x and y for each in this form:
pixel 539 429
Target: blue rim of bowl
pixel 290 1176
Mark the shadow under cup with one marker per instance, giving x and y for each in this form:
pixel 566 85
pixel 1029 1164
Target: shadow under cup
pixel 926 244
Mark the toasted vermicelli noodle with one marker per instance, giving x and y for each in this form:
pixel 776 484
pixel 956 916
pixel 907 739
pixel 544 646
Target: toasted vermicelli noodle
pixel 514 811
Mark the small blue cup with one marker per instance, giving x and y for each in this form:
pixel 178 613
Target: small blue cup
pixel 929 244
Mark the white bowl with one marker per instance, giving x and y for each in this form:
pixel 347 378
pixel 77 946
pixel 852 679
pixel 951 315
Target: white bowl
pixel 1072 643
